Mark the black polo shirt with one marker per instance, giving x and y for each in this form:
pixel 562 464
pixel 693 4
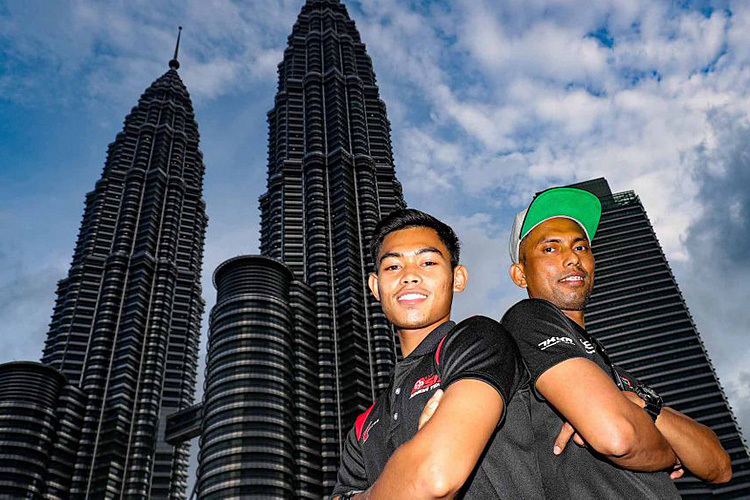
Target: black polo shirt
pixel 546 337
pixel 477 348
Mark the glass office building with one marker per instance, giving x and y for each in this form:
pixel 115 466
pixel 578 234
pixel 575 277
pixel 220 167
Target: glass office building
pixel 259 436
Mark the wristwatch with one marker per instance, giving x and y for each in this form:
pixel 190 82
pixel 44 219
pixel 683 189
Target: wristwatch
pixel 651 398
pixel 349 495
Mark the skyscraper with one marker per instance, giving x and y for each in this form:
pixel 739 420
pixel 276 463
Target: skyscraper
pixel 40 426
pixel 126 324
pixel 260 431
pixel 330 179
pixel 305 301
pixel 638 313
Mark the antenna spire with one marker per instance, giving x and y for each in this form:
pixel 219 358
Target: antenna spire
pixel 174 63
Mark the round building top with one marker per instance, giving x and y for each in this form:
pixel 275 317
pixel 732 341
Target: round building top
pixel 31 382
pixel 244 260
pixel 33 367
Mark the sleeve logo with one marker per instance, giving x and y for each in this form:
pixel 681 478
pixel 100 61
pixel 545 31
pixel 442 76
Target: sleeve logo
pixel 553 341
pixel 588 346
pixel 366 434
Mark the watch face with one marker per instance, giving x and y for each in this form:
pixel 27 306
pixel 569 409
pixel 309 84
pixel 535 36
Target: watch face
pixel 648 394
pixel 649 391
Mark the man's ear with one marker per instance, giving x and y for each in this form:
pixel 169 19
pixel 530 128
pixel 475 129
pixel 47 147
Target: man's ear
pixel 372 282
pixel 460 278
pixel 518 275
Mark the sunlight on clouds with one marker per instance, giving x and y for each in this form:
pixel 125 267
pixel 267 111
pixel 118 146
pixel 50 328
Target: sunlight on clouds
pixel 634 133
pixel 226 46
pixel 489 102
pixel 738 36
pixel 211 79
pixel 429 164
pixel 576 111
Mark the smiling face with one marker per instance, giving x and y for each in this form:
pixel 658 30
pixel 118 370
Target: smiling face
pixel 415 282
pixel 557 265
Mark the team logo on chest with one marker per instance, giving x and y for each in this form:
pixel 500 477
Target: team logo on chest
pixel 425 384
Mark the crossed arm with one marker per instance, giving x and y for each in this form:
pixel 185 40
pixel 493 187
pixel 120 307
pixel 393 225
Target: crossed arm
pixel 613 423
pixel 695 445
pixel 442 454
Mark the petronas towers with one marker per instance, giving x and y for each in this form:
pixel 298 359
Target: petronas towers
pixel 330 179
pixel 126 325
pixel 311 347
pixel 297 346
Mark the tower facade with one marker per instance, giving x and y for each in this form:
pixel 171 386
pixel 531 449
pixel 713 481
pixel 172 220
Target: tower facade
pixel 330 179
pixel 40 424
pixel 259 432
pixel 126 324
pixel 637 312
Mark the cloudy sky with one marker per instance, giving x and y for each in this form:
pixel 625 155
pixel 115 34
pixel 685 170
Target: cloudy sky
pixel 489 102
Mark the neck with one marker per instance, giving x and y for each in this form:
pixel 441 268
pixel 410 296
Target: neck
pixel 411 338
pixel 576 317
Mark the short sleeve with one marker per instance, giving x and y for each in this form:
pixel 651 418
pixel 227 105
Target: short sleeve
pixel 480 348
pixel 545 336
pixel 351 475
pixel 623 379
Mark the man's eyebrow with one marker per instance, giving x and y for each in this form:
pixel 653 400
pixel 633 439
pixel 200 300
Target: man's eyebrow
pixel 417 252
pixel 548 240
pixel 428 250
pixel 389 254
pixel 554 239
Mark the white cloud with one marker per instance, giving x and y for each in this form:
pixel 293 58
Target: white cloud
pixel 489 102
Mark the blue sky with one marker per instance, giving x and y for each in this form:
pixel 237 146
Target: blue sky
pixel 489 103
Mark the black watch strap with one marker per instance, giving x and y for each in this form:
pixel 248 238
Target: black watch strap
pixel 653 401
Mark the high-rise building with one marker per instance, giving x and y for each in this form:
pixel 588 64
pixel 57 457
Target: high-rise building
pixel 637 312
pixel 126 324
pixel 40 424
pixel 260 431
pixel 330 179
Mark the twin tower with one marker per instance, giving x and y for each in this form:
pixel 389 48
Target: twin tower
pixel 297 344
pixel 298 347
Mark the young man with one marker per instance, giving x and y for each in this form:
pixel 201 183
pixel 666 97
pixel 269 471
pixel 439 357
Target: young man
pixel 627 439
pixel 475 362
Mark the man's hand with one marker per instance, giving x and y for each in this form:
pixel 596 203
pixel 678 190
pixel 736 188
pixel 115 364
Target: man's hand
pixel 634 398
pixel 677 472
pixel 430 407
pixel 566 432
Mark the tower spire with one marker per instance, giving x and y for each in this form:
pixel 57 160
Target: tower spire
pixel 174 63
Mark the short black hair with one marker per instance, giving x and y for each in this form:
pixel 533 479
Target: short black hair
pixel 406 218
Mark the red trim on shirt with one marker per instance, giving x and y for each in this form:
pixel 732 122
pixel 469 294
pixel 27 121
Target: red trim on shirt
pixel 360 422
pixel 437 352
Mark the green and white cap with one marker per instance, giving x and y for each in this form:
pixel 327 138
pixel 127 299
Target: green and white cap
pixel 580 206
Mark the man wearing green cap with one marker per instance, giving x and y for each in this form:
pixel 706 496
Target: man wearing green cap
pixel 628 442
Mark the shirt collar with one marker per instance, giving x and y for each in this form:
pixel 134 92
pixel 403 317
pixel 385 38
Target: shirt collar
pixel 431 341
